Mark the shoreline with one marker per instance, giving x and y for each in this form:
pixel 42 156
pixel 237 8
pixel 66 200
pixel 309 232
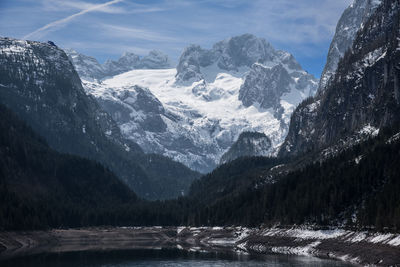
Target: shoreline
pixel 362 248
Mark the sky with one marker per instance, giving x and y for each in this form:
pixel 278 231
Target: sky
pixel 108 28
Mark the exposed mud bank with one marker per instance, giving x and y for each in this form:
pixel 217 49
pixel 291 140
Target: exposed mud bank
pixel 362 248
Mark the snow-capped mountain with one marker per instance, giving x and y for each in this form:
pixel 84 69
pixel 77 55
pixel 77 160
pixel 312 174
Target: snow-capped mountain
pixel 363 96
pixel 89 68
pixel 195 113
pixel 352 19
pixel 229 55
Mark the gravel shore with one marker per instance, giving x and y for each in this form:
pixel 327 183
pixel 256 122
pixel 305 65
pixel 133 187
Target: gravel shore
pixel 362 248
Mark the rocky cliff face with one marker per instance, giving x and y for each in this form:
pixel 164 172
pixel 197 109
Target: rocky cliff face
pixel 265 86
pixel 248 144
pixel 352 19
pixel 89 68
pixel 362 98
pixel 39 83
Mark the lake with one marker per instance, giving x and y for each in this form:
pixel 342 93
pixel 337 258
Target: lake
pixel 164 258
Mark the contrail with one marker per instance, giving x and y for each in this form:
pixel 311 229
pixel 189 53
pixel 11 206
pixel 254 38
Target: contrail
pixel 65 20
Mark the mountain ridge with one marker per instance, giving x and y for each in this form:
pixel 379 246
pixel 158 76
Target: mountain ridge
pixel 89 68
pixel 363 95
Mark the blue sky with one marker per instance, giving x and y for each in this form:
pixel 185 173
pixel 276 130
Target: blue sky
pixel 105 29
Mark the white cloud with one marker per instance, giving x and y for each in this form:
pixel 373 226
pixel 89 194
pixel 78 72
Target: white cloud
pixel 128 8
pixel 58 23
pixel 61 6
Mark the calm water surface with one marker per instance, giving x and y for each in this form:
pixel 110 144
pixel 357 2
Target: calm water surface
pixel 164 258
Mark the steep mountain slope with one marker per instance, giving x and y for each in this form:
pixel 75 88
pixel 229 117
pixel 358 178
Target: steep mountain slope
pixel 39 83
pixel 357 188
pixel 89 68
pixel 352 19
pixel 195 113
pixel 248 144
pixel 41 188
pixel 363 96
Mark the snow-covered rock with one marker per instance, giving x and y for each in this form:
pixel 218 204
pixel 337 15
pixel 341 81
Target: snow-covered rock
pixel 268 86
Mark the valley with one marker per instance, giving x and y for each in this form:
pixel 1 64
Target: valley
pixel 235 149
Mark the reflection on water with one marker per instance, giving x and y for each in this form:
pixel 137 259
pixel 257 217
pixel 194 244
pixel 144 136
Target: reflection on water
pixel 163 258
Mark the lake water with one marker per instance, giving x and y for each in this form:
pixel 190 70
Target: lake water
pixel 164 258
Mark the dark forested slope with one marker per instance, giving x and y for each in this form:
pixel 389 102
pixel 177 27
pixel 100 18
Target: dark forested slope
pixel 40 84
pixel 43 188
pixel 358 187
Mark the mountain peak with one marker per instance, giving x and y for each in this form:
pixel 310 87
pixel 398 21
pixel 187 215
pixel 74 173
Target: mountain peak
pixel 243 50
pixel 231 54
pixel 349 23
pixel 156 60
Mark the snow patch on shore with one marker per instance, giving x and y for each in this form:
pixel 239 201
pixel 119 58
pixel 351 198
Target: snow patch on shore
pixel 308 250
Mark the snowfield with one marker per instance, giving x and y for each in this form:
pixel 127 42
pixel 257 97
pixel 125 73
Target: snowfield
pixel 218 101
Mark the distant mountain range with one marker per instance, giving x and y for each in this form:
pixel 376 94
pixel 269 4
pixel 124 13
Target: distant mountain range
pixel 89 68
pixel 194 113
